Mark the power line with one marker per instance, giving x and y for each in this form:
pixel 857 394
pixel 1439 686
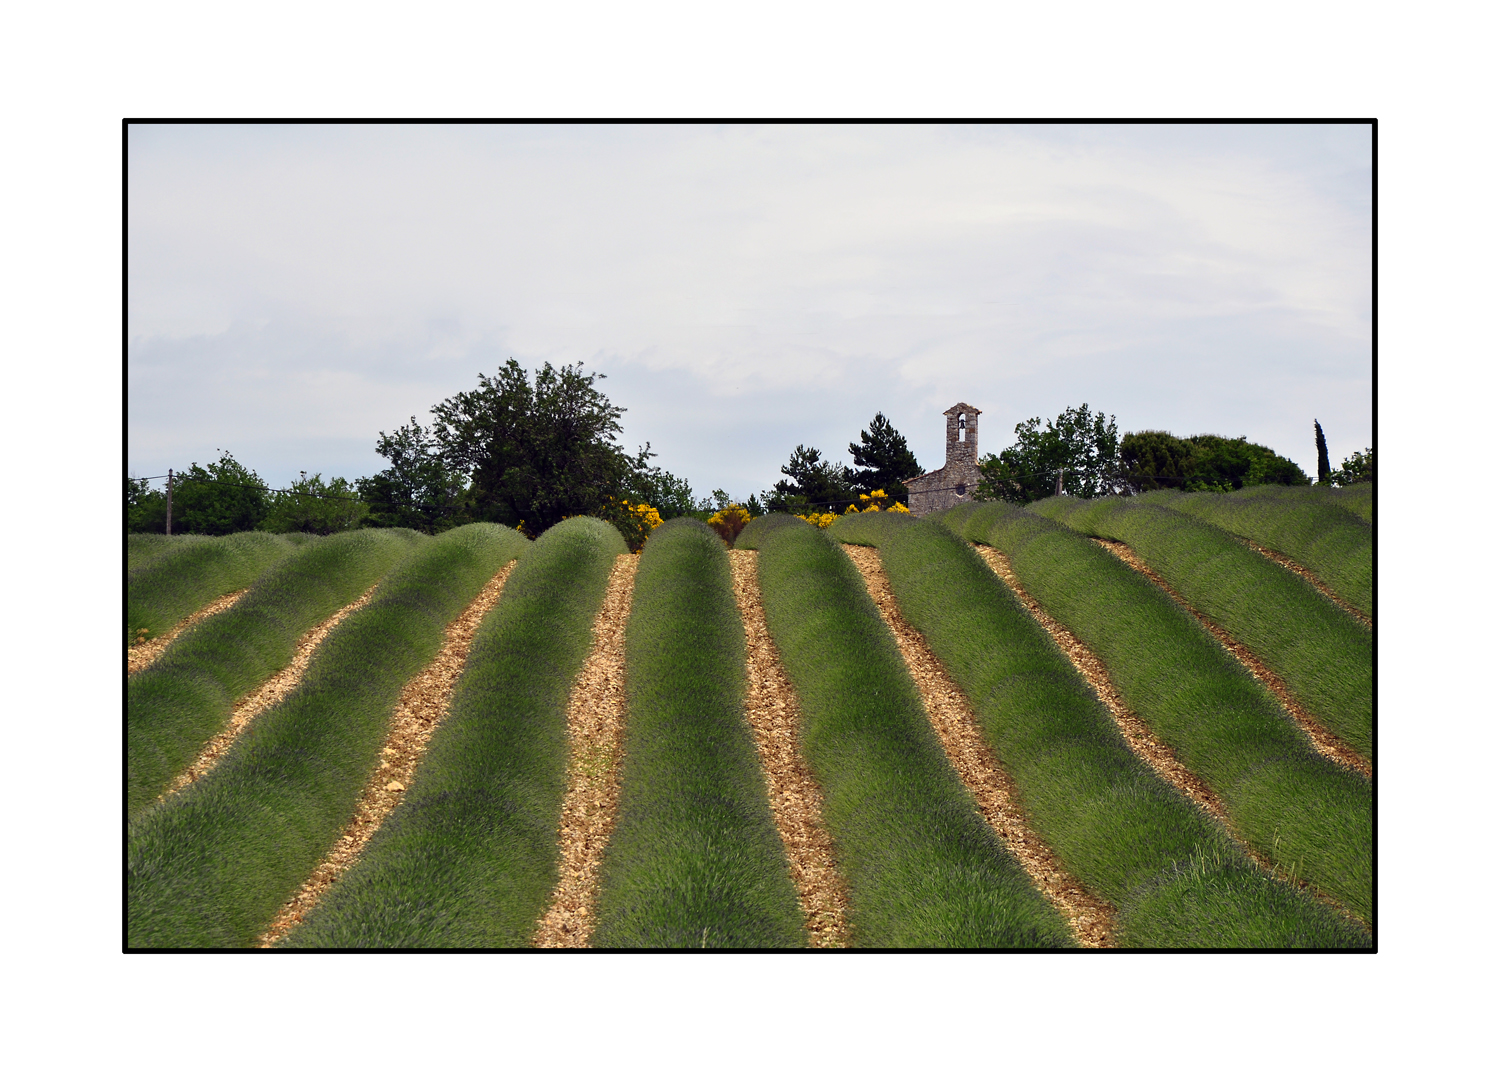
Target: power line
pixel 969 487
pixel 852 498
pixel 181 480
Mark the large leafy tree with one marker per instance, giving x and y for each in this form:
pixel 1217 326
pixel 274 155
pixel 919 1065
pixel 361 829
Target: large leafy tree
pixel 1082 446
pixel 145 509
pixel 218 498
pixel 418 490
pixel 671 495
pixel 536 451
pixel 1227 464
pixel 882 459
pixel 1155 459
pixel 1152 460
pixel 812 483
pixel 1357 468
pixel 311 505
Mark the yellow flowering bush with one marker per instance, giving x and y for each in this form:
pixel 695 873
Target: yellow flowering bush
pixel 874 502
pixel 636 522
pixel 729 522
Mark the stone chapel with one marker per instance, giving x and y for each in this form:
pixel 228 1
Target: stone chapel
pixel 934 492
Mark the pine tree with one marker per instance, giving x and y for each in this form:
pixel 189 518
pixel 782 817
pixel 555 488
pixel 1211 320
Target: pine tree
pixel 813 483
pixel 883 459
pixel 1323 469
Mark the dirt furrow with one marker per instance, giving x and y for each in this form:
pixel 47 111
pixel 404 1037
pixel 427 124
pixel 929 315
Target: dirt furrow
pixel 421 708
pixel 1156 753
pixel 1138 736
pixel 1324 741
pixel 1308 576
pixel 775 717
pixel 596 734
pixel 268 694
pixel 140 656
pixel 958 728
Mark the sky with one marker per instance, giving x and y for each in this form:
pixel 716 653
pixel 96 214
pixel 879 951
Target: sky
pixel 295 290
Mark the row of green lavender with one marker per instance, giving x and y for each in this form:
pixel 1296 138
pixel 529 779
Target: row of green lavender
pixel 1296 808
pixel 175 706
pixel 1175 876
pixel 1325 657
pixel 209 866
pixel 924 869
pixel 167 581
pixel 470 856
pixel 1334 543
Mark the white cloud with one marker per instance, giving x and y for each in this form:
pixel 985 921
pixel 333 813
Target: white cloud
pixel 747 288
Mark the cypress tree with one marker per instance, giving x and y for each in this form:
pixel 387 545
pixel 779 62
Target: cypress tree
pixel 1323 469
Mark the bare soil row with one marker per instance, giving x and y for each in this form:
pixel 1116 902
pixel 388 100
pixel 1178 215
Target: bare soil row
pixel 1311 578
pixel 596 735
pixel 420 710
pixel 596 720
pixel 775 717
pixel 1136 733
pixel 264 697
pixel 140 656
pixel 1324 741
pixel 952 718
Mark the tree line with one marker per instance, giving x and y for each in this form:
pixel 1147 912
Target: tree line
pixel 527 452
pixel 518 451
pixel 1082 452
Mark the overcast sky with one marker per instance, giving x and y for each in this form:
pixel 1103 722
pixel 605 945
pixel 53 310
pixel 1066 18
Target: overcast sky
pixel 295 290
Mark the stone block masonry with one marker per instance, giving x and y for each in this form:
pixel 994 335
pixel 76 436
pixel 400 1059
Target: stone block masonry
pixel 934 492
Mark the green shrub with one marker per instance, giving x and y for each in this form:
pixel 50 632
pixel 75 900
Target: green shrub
pixel 1332 542
pixel 760 528
pixel 209 866
pixel 924 870
pixel 141 547
pixel 695 859
pixel 185 573
pixel 1325 657
pixel 1359 499
pixel 469 858
pixel 1119 828
pixel 1293 806
pixel 174 707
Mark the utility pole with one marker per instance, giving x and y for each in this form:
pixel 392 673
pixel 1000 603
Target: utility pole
pixel 169 501
pixel 1061 472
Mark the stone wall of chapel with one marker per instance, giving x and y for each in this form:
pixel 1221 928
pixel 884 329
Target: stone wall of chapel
pixel 941 490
